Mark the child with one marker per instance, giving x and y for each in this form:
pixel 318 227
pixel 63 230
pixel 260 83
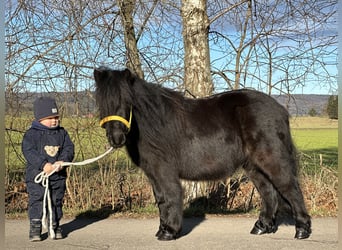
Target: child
pixel 45 146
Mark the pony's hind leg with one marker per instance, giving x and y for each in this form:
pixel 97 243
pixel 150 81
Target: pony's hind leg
pixel 266 222
pixel 291 191
pixel 279 168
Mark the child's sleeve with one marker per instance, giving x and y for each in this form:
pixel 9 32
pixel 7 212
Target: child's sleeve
pixel 67 150
pixel 35 160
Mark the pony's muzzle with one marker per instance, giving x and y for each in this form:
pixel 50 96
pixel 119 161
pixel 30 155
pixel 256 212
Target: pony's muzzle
pixel 116 139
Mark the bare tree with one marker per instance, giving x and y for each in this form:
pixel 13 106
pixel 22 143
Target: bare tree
pixel 133 60
pixel 273 45
pixel 197 76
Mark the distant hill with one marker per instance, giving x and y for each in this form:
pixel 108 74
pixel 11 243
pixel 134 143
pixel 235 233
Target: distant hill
pixel 83 102
pixel 299 105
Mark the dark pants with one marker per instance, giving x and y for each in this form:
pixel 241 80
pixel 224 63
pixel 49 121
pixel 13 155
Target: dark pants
pixel 36 195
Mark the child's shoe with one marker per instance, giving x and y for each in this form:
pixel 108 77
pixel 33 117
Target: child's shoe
pixel 57 230
pixel 35 230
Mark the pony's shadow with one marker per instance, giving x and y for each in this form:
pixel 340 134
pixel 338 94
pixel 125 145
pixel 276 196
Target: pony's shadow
pixel 189 224
pixel 85 219
pixel 201 206
pixel 89 217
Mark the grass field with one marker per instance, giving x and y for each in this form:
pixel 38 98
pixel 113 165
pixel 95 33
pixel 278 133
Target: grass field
pixel 312 136
pixel 316 138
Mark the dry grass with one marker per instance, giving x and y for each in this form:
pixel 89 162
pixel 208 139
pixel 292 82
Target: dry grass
pixel 304 122
pixel 113 191
pixel 320 192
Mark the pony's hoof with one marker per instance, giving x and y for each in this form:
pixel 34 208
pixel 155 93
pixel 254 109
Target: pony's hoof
pixel 159 233
pixel 258 231
pixel 302 233
pixel 260 228
pixel 165 235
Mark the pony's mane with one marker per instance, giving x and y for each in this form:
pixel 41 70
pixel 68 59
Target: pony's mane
pixel 111 89
pixel 158 108
pixel 157 97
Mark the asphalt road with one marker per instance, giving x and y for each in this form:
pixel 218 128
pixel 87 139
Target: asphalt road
pixel 224 232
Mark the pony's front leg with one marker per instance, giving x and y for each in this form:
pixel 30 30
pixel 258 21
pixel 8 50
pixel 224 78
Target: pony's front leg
pixel 169 197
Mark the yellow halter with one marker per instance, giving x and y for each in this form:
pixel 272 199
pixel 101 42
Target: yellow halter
pixel 118 118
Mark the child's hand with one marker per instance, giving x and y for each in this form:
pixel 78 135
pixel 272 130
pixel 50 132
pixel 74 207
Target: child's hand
pixel 58 165
pixel 48 168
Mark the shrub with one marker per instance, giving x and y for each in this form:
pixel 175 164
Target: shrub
pixel 332 107
pixel 312 112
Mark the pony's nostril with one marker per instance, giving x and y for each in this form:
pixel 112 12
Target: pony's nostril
pixel 117 139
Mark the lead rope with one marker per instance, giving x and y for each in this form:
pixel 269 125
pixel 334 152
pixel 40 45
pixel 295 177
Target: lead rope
pixel 43 178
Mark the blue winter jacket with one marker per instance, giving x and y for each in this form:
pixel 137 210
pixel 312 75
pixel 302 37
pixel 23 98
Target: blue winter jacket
pixel 42 144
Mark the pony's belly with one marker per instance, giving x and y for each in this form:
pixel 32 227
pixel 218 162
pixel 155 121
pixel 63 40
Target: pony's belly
pixel 210 158
pixel 208 168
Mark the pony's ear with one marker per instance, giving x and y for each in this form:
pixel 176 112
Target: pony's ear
pixel 100 74
pixel 130 77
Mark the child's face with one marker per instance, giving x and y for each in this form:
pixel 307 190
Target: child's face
pixel 50 122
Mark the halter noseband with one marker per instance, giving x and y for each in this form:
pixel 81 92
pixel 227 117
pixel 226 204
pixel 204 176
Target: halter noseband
pixel 118 118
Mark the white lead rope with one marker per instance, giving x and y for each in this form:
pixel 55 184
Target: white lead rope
pixel 43 178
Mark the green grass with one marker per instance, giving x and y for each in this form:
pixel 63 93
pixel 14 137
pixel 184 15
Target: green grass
pixel 319 145
pixel 315 139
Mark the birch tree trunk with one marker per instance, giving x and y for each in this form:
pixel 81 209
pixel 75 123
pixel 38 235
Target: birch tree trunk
pixel 132 53
pixel 197 76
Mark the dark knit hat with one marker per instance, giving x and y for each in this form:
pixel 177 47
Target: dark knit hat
pixel 44 107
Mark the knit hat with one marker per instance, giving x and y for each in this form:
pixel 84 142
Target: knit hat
pixel 44 107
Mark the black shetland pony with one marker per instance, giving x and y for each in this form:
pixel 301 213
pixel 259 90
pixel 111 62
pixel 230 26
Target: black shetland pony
pixel 172 137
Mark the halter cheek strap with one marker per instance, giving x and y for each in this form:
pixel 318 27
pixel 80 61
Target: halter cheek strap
pixel 118 118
